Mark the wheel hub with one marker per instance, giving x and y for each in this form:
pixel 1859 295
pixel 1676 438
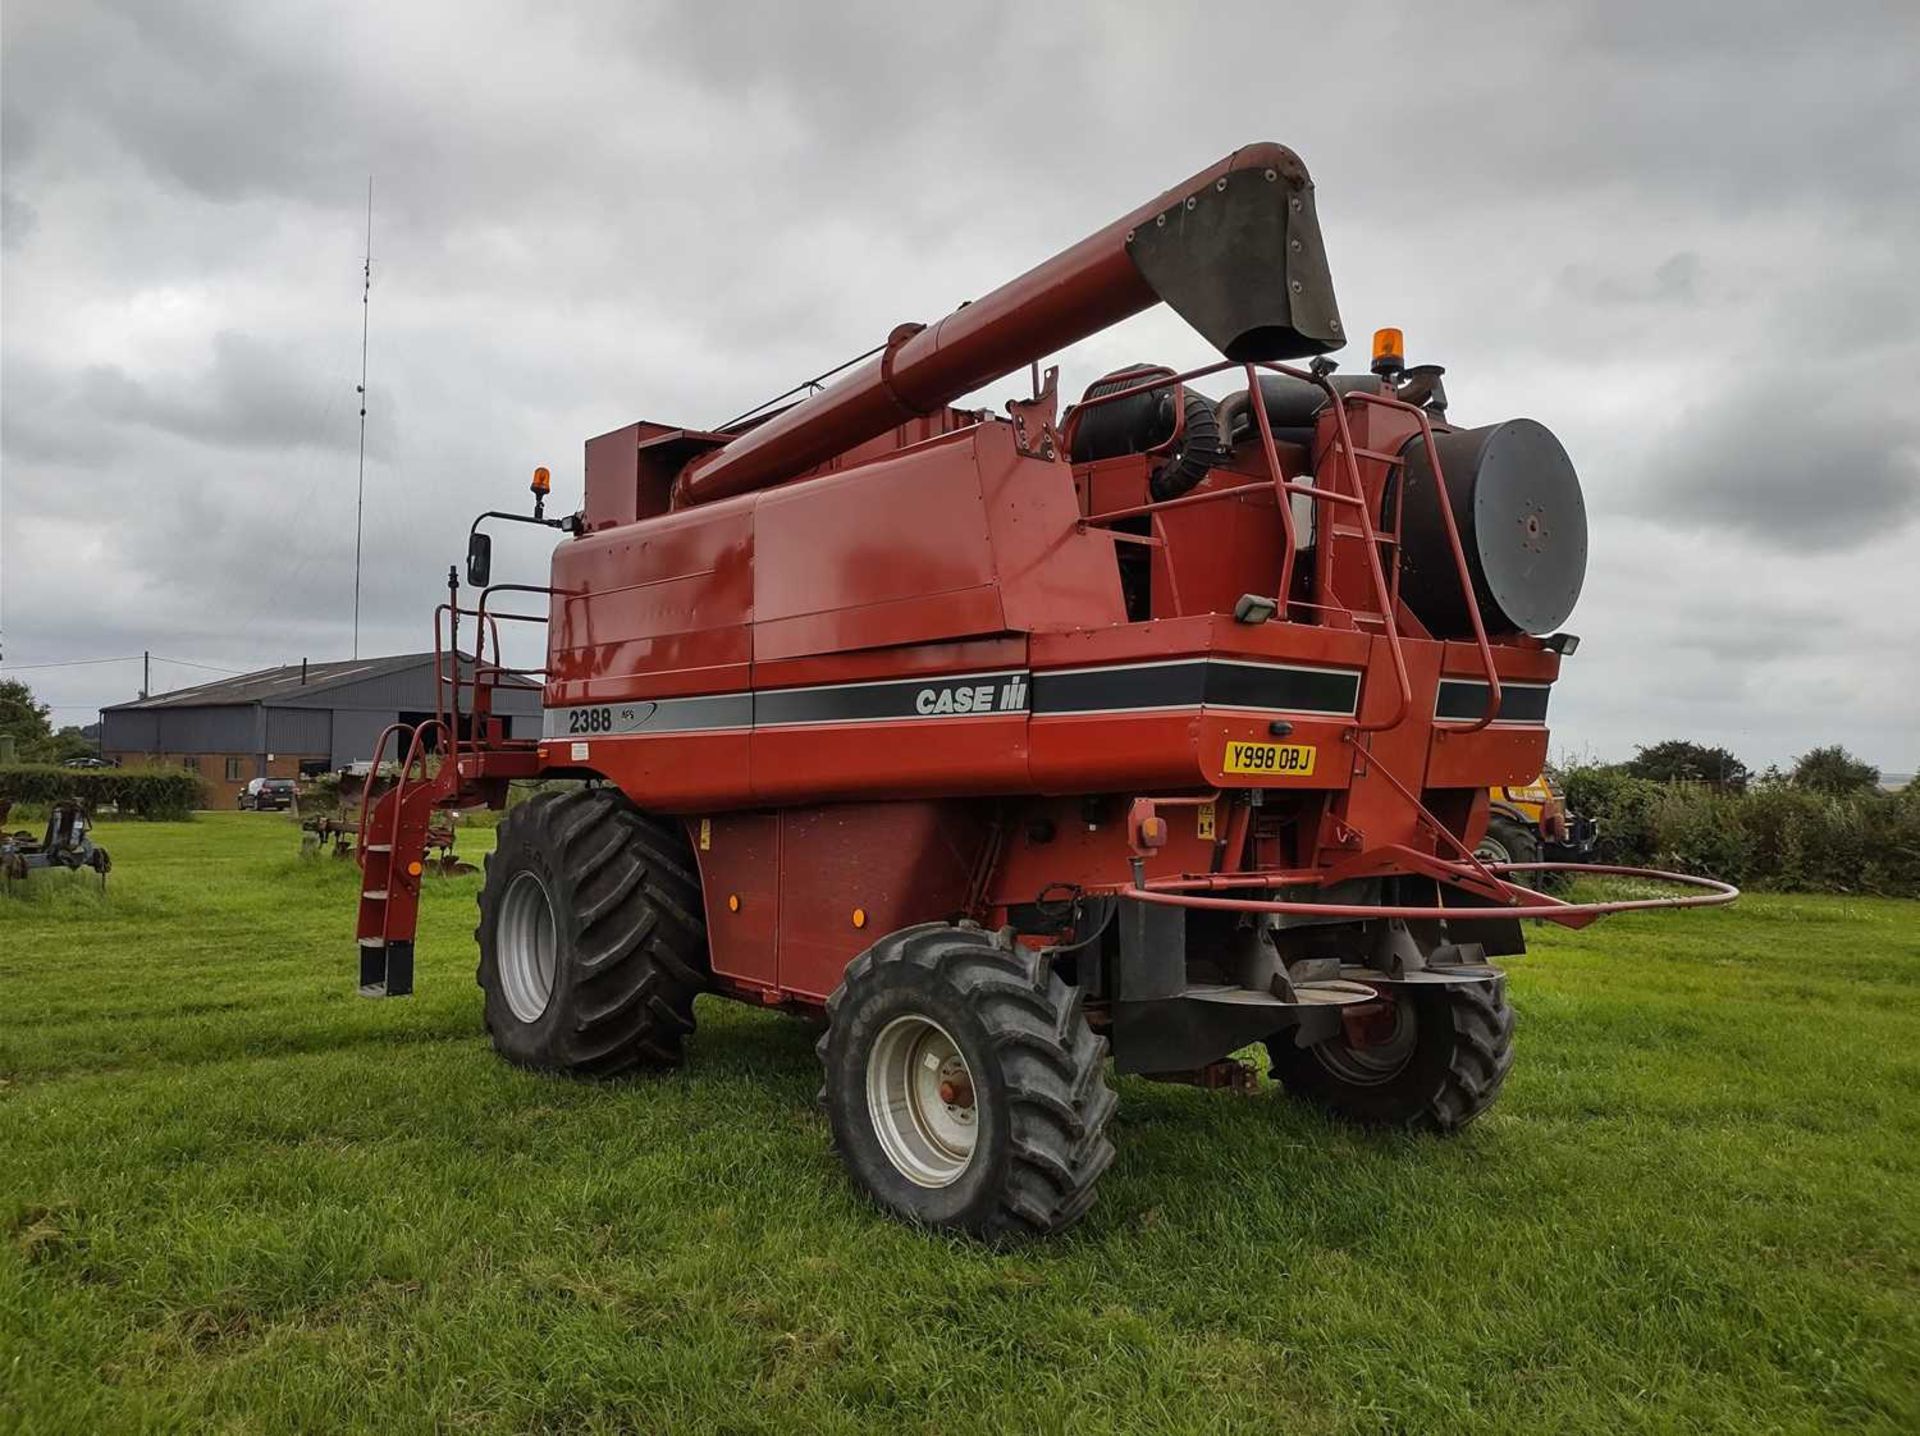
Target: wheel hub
pixel 526 943
pixel 921 1099
pixel 1378 1053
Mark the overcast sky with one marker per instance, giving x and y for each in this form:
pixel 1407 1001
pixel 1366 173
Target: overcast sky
pixel 1683 237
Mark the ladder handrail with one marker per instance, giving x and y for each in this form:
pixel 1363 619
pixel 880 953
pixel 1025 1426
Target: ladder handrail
pixel 1383 592
pixel 1459 560
pixel 366 797
pixel 414 755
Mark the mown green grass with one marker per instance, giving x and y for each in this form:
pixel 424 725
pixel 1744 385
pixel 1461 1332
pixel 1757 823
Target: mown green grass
pixel 234 1197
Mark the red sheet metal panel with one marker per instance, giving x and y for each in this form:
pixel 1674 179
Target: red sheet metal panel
pixel 739 857
pixel 896 552
pixel 1053 575
pixel 655 608
pixel 892 863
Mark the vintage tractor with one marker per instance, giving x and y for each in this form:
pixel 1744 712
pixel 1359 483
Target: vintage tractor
pixel 68 843
pixel 1004 746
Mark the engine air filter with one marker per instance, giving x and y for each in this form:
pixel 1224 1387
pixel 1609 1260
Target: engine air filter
pixel 1522 522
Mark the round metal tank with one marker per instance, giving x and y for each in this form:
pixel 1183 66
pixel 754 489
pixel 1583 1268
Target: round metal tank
pixel 1522 522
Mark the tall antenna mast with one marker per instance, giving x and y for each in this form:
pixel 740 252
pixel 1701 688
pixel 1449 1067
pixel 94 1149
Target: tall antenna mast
pixel 360 494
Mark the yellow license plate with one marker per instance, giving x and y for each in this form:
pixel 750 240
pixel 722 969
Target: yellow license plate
pixel 1289 760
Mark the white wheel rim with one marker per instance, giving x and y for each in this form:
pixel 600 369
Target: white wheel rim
pixel 525 945
pixel 1492 850
pixel 921 1097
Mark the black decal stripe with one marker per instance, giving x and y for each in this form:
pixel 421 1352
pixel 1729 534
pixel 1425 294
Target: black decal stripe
pixel 1120 687
pixel 1191 684
pixel 1465 700
pixel 1300 690
pixel 1092 690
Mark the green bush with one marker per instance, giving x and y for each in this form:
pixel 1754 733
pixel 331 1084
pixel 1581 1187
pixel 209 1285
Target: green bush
pixel 1625 806
pixel 1696 830
pixel 154 793
pixel 1775 835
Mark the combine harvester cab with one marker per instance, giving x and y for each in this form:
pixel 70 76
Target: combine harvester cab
pixel 1011 744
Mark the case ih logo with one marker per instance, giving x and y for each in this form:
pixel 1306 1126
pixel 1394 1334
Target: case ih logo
pixel 1009 695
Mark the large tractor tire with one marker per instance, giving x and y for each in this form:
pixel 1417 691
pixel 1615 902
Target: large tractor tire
pixel 592 939
pixel 1439 1066
pixel 965 1088
pixel 1507 841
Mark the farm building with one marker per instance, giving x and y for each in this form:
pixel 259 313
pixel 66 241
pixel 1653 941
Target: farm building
pixel 281 722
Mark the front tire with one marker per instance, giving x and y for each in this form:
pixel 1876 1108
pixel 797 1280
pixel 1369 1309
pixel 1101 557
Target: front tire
pixel 592 941
pixel 1506 841
pixel 965 1088
pixel 1441 1065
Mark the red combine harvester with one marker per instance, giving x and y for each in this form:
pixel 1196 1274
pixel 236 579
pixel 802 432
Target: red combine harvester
pixel 1004 745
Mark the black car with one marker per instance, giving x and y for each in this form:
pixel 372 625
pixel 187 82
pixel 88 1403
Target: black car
pixel 267 794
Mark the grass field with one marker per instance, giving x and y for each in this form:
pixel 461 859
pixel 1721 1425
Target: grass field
pixel 234 1197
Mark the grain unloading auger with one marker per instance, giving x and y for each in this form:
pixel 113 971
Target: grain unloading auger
pixel 1007 745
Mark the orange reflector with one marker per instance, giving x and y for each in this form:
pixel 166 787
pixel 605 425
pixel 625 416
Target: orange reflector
pixel 859 917
pixel 1153 832
pixel 413 870
pixel 542 481
pixel 733 902
pixel 1389 344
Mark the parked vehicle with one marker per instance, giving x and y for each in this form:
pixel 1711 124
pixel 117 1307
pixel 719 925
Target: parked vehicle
pixel 267 795
pixel 1530 823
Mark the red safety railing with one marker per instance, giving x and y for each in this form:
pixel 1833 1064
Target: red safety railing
pixel 1192 890
pixel 458 676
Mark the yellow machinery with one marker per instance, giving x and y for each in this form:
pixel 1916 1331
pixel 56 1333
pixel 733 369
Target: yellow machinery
pixel 1530 823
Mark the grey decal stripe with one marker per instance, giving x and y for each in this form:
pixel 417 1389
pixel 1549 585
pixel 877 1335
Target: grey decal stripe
pixel 655 715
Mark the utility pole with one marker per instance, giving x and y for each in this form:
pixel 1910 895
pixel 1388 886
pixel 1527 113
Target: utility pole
pixel 360 492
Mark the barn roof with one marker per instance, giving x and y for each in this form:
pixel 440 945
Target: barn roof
pixel 285 685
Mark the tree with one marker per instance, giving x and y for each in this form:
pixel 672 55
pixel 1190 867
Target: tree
pixel 69 743
pixel 21 717
pixel 1834 771
pixel 1678 761
pixel 24 719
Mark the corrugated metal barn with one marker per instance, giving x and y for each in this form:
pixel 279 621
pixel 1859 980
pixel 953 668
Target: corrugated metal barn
pixel 281 722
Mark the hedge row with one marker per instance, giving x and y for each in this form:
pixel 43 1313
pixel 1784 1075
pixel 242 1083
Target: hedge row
pixel 1773 835
pixel 141 792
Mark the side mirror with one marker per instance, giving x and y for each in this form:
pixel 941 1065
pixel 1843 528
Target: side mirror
pixel 479 559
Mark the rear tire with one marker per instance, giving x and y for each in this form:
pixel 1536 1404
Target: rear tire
pixel 592 940
pixel 965 1088
pixel 1444 1065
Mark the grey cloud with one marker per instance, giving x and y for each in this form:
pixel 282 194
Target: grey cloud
pixel 253 394
pixel 17 219
pixel 1675 280
pixel 1616 217
pixel 1800 465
